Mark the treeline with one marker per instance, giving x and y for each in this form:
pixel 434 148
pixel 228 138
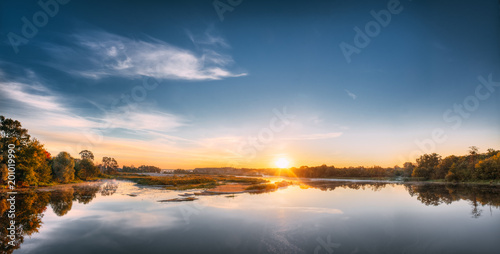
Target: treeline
pixel 141 169
pixel 332 171
pixel 25 162
pixel 471 167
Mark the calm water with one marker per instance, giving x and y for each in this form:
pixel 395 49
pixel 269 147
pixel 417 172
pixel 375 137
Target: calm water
pixel 319 217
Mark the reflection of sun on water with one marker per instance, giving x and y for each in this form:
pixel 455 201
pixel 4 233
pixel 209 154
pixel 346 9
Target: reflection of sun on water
pixel 282 163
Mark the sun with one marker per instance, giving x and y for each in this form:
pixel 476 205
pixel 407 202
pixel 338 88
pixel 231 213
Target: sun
pixel 282 163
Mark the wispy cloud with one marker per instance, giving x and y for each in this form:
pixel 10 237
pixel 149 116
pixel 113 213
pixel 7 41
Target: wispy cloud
pixel 99 54
pixel 353 96
pixel 208 38
pixel 138 119
pixel 45 110
pixel 34 96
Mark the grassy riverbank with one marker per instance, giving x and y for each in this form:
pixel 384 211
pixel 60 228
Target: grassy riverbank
pixel 188 181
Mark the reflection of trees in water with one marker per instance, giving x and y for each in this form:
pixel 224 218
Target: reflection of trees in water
pixel 29 212
pixel 109 188
pixel 430 194
pixel 477 195
pixel 30 207
pixel 61 201
pixel 330 186
pixel 85 194
pixel 435 194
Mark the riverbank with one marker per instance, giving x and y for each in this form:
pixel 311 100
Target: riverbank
pixel 52 187
pixel 186 182
pixel 227 184
pixel 414 180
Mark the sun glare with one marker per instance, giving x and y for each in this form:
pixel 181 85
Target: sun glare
pixel 282 163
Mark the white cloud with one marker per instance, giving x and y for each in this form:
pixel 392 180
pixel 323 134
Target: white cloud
pixel 37 106
pixel 143 120
pixel 34 96
pixel 102 54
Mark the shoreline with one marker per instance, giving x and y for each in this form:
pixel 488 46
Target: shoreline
pixel 222 189
pixel 51 187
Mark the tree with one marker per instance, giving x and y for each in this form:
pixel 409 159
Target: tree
pixel 86 154
pixel 63 167
pixel 444 166
pixel 109 165
pixel 408 168
pixel 85 169
pixel 11 133
pixel 428 160
pixel 492 152
pixel 33 165
pixel 30 156
pixel 488 168
pixel 426 164
pixel 459 171
pixel 473 153
pixel 4 173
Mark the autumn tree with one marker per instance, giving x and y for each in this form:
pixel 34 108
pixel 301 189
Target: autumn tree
pixel 34 163
pixel 85 169
pixel 444 166
pixel 31 158
pixel 63 167
pixel 109 165
pixel 11 133
pixel 4 172
pixel 86 154
pixel 488 168
pixel 408 168
pixel 459 171
pixel 492 152
pixel 426 164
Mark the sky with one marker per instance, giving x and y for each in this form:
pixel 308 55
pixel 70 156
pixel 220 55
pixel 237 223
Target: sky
pixel 186 84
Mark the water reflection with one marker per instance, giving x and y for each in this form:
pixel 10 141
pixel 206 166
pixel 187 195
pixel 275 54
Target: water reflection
pixel 330 186
pixel 31 206
pixel 29 213
pixel 429 194
pixel 108 188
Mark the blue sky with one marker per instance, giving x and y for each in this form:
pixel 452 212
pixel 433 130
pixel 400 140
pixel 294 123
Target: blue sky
pixel 212 86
